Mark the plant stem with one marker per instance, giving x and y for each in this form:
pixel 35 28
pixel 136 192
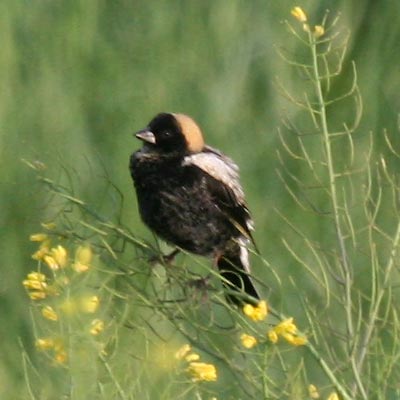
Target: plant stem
pixel 343 257
pixel 326 368
pixel 374 315
pixel 332 186
pixel 339 387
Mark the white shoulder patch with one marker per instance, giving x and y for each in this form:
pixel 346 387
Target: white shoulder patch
pixel 219 167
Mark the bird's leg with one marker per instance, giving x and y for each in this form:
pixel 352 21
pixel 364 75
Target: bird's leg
pixel 202 284
pixel 217 255
pixel 168 258
pixel 164 259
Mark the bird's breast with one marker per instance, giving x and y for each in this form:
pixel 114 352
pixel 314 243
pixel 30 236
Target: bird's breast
pixel 175 203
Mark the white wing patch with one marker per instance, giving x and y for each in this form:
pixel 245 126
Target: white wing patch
pixel 219 167
pixel 244 254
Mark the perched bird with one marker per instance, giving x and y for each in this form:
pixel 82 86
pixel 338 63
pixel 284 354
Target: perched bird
pixel 189 194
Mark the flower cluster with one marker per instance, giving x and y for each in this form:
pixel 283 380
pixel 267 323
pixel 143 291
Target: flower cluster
pixel 288 331
pixel 199 371
pixel 285 329
pixel 56 258
pixel 36 285
pixel 301 16
pixel 248 341
pixel 313 392
pixel 59 295
pixel 56 346
pixel 256 313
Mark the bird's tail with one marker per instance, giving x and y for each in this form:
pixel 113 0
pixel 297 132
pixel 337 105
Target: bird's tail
pixel 234 268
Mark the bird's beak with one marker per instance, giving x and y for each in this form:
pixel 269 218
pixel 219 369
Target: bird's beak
pixel 146 136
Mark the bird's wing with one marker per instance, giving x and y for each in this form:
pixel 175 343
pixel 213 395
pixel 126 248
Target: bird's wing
pixel 222 179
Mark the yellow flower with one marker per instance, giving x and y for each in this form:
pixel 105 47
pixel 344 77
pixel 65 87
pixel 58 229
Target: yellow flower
pixel 333 396
pixel 96 327
pixel 38 237
pixel 44 343
pixel 57 258
pixel 33 285
pixel 36 285
pixel 48 225
pixel 272 336
pixel 256 313
pixel 313 391
pixel 248 341
pixel 318 31
pixel 49 313
pixel 36 276
pixel 59 254
pixel 295 340
pixel 44 248
pixel 61 357
pixel 183 351
pixel 202 372
pixel 83 258
pixel 90 304
pixel 51 262
pixel 288 330
pixel 192 357
pixel 286 326
pixel 37 295
pixel 35 281
pixel 78 267
pixel 299 14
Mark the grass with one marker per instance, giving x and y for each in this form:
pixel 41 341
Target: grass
pixel 78 78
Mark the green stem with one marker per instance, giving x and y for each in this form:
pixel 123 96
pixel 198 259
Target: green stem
pixel 332 187
pixel 264 376
pixel 347 278
pixel 328 371
pixel 113 378
pixel 339 387
pixel 374 315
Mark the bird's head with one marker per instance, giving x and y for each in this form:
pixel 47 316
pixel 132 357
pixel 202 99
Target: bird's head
pixel 172 133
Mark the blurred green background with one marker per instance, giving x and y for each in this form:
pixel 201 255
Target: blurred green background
pixel 78 78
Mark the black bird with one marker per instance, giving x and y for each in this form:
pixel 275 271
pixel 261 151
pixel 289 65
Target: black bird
pixel 189 194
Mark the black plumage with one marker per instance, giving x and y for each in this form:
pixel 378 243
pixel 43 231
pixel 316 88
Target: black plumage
pixel 189 194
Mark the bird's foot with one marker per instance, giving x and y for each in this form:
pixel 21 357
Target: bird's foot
pixel 200 287
pixel 199 283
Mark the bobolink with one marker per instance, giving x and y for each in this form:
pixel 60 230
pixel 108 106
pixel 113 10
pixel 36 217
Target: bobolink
pixel 189 194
